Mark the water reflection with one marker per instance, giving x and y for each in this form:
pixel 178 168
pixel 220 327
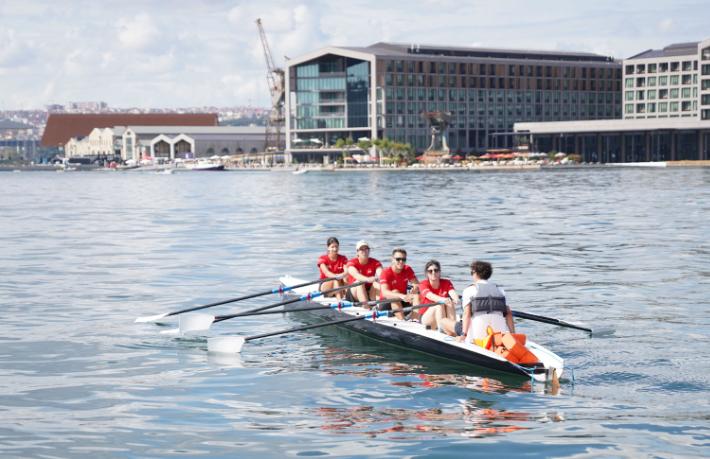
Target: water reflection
pixel 469 418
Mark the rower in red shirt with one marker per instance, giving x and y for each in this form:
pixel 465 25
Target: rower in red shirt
pixel 433 290
pixel 394 280
pixel 332 264
pixel 366 269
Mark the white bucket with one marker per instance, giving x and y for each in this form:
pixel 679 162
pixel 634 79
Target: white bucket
pixel 225 344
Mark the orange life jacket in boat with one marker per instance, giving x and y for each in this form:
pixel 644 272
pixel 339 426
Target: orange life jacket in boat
pixel 510 346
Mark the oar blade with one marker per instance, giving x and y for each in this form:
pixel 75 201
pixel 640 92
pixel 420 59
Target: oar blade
pixel 194 323
pixel 151 318
pixel 225 344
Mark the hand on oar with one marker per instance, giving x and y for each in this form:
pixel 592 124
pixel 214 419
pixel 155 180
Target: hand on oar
pixel 550 320
pixel 234 344
pixel 202 322
pixel 234 300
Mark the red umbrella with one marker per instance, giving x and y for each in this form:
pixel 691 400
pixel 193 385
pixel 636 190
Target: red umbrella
pixel 420 157
pixel 457 157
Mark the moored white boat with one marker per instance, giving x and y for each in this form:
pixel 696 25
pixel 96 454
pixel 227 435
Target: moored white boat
pixel 413 335
pixel 204 166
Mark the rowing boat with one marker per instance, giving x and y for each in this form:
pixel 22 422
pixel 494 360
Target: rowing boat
pixel 415 336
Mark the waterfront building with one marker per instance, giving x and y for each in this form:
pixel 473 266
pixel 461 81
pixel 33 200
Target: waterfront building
pixel 172 142
pixel 383 90
pixel 101 142
pixel 666 113
pixel 63 126
pixel 673 82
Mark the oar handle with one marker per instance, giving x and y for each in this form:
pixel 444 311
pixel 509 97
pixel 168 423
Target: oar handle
pixel 344 304
pixel 283 303
pixel 549 320
pixel 253 295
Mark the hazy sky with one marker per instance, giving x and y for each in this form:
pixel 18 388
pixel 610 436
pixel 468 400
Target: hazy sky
pixel 181 53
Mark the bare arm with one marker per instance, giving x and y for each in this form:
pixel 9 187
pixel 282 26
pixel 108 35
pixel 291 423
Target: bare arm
pixel 509 320
pixel 391 294
pixel 324 269
pixel 359 277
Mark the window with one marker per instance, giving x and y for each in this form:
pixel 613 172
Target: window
pixel 639 95
pixel 629 95
pixel 629 83
pixel 674 80
pixel 651 108
pixel 629 69
pixel 663 94
pixel 629 108
pixel 685 94
pixel 663 67
pixel 651 94
pixel 651 68
pixel 662 81
pixel 652 81
pixel 675 66
pixel 663 107
pixel 674 93
pixel 674 106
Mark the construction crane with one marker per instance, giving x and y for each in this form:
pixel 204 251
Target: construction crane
pixel 275 77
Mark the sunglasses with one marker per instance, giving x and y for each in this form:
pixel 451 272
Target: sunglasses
pixel 400 259
pixel 433 270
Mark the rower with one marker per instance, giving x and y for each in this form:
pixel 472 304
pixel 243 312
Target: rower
pixel 394 280
pixel 484 305
pixel 434 289
pixel 330 265
pixel 362 268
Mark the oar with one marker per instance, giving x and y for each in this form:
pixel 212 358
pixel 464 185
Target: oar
pixel 234 344
pixel 201 322
pixel 338 305
pixel 549 320
pixel 233 300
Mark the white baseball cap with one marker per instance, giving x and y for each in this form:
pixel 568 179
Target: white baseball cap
pixel 361 243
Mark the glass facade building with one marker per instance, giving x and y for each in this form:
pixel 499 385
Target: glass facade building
pixel 382 90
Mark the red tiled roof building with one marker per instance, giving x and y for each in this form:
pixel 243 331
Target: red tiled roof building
pixel 63 126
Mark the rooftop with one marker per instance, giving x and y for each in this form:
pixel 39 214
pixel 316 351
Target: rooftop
pixel 172 130
pixel 408 50
pixel 676 49
pixel 63 126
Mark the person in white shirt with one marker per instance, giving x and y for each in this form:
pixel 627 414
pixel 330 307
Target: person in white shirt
pixel 487 304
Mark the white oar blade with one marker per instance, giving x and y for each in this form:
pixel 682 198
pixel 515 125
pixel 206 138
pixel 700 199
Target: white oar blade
pixel 151 318
pixel 225 344
pixel 197 322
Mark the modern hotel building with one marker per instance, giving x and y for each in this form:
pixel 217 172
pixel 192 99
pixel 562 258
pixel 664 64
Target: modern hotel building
pixel 381 91
pixel 666 112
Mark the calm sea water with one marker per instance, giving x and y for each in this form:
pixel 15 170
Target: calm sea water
pixel 626 252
